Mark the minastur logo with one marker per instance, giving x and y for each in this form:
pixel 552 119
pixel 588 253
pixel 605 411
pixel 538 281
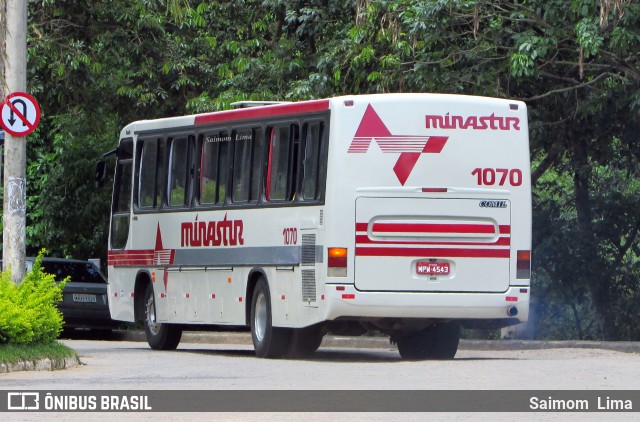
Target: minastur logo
pixel 372 128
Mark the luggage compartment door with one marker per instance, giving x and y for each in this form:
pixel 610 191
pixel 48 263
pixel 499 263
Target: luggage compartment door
pixel 432 245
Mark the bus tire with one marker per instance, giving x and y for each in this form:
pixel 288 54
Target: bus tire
pixel 268 341
pixel 416 345
pixel 439 341
pixel 159 336
pixel 447 339
pixel 305 341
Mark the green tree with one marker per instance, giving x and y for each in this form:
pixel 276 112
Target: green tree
pixel 97 65
pixel 576 66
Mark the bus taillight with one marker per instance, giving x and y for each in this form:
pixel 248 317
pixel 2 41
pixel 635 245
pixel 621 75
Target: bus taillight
pixel 337 263
pixel 523 265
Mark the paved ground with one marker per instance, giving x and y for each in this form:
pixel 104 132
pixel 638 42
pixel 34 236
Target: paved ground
pixel 234 338
pixel 383 342
pixel 228 363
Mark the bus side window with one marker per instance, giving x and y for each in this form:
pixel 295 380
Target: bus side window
pixel 241 165
pixel 151 174
pixel 161 173
pixel 257 162
pixel 214 161
pixel 122 200
pixel 247 162
pixel 283 163
pixel 179 160
pixel 311 165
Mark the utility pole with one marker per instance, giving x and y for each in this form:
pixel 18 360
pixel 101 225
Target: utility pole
pixel 15 182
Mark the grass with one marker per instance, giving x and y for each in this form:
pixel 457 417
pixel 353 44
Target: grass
pixel 12 353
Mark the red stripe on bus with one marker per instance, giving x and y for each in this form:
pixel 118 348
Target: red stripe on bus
pixel 133 257
pixel 364 239
pixel 433 252
pixel 263 111
pixel 129 257
pixel 133 254
pixel 432 228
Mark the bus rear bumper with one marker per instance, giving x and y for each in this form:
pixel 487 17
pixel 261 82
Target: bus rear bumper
pixel 510 305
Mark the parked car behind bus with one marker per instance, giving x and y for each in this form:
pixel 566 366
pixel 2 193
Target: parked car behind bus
pixel 84 303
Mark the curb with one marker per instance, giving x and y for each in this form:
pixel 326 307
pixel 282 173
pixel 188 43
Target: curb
pixel 383 342
pixel 40 365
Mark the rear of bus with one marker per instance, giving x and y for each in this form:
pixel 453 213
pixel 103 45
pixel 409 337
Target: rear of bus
pixel 429 198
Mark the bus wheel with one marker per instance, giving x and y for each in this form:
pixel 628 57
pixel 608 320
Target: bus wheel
pixel 268 341
pixel 416 345
pixel 159 336
pixel 447 338
pixel 439 341
pixel 305 341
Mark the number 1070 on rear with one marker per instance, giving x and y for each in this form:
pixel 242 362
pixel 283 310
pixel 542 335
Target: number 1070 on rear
pixel 490 177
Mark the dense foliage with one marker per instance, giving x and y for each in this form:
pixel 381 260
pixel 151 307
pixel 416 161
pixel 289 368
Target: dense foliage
pixel 29 313
pixel 96 65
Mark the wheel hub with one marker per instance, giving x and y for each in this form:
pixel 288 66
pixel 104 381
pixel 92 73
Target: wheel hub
pixel 260 320
pixel 154 327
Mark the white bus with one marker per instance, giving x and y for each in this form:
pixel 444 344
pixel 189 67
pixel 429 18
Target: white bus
pixel 404 214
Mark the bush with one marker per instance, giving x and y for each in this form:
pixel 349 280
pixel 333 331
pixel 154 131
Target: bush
pixel 28 312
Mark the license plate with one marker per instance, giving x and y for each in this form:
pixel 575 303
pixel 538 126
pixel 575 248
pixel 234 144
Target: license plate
pixel 83 297
pixel 432 268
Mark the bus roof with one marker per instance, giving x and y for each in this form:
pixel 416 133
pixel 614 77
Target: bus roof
pixel 264 111
pixel 282 109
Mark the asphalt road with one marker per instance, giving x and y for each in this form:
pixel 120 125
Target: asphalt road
pixel 131 365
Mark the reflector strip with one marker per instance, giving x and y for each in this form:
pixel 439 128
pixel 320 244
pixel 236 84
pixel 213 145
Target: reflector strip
pixel 364 239
pixel 337 262
pixel 433 228
pixel 434 252
pixel 511 298
pixel 348 296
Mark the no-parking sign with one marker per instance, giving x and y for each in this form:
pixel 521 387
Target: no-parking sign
pixel 20 114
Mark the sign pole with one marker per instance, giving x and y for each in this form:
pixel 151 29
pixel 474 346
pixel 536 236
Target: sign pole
pixel 15 182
